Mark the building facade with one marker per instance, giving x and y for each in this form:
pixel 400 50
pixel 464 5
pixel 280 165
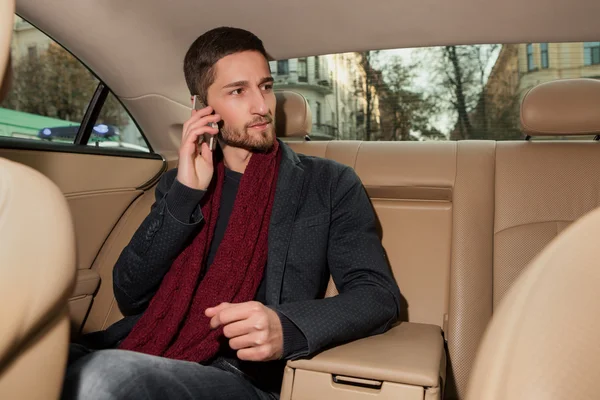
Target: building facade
pixel 334 86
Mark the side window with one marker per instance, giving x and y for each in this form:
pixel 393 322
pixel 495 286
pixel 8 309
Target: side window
pixel 116 129
pixel 50 94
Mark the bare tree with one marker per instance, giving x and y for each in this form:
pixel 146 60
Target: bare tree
pixel 460 75
pixel 367 89
pixel 403 110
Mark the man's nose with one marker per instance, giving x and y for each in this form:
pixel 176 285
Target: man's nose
pixel 259 104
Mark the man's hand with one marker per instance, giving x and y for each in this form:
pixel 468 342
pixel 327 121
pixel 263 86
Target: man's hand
pixel 195 168
pixel 252 329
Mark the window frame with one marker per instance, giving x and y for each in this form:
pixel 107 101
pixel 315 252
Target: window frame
pixel 318 114
pixel 280 63
pixel 530 57
pixel 589 49
pixel 302 71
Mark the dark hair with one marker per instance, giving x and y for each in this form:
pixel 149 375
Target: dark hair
pixel 209 48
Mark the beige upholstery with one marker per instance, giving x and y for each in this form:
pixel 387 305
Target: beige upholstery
pixel 543 340
pixel 460 221
pixel 563 107
pixel 293 118
pixel 558 192
pixel 37 273
pixel 471 282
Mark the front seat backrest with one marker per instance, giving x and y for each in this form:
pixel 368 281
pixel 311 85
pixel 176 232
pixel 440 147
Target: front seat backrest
pixel 37 274
pixel 543 341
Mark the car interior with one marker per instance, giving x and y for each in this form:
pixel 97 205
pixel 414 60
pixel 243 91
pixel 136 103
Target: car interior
pixel 491 241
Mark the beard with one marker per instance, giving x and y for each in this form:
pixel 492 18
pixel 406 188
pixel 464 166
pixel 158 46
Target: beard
pixel 259 142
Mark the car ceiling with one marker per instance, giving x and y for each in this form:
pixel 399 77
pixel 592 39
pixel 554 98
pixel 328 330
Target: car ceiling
pixel 137 46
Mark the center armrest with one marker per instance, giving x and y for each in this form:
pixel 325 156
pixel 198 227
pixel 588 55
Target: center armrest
pixel 409 353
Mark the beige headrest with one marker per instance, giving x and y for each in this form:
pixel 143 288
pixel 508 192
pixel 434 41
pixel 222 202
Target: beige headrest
pixel 292 116
pixel 542 343
pixel 562 107
pixel 7 13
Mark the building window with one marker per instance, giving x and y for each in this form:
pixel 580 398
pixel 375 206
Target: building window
pixel 32 52
pixel 544 55
pixel 530 59
pixel 318 114
pixel 317 68
pixel 302 70
pixel 591 53
pixel 283 67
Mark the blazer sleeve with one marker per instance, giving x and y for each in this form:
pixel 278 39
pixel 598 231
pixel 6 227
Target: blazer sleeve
pixel 174 219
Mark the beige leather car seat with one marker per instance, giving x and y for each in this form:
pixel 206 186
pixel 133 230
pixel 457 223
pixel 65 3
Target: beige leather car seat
pixel 542 343
pixel 37 271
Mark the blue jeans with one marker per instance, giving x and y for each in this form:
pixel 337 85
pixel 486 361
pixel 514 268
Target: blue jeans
pixel 120 375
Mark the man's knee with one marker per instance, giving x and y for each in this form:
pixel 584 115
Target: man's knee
pixel 106 374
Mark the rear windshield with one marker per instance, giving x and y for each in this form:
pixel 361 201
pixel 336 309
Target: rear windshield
pixel 434 93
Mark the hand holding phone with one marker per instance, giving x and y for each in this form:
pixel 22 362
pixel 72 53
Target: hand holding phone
pixel 197 104
pixel 196 168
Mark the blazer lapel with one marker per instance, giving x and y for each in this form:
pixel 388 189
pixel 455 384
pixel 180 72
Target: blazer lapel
pixel 287 196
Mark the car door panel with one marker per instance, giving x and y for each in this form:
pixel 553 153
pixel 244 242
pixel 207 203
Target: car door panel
pixel 106 194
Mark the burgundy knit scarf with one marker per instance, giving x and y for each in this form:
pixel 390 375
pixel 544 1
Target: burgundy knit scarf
pixel 174 325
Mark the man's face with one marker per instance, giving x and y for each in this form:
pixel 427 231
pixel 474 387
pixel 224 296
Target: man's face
pixel 242 94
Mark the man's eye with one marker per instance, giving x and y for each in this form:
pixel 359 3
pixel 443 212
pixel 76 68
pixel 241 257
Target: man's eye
pixel 236 91
pixel 268 87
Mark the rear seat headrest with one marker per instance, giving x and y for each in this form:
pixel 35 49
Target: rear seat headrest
pixel 562 107
pixel 292 115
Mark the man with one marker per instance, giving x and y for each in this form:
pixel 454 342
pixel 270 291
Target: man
pixel 224 280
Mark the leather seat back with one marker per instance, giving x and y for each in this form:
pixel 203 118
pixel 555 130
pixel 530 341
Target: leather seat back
pixel 540 188
pixel 37 272
pixel 543 340
pixel 37 275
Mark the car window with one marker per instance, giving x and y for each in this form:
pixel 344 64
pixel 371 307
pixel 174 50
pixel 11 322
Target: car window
pixel 51 93
pixel 433 93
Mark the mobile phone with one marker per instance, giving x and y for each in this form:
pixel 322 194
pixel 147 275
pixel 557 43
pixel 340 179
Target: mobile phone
pixel 197 104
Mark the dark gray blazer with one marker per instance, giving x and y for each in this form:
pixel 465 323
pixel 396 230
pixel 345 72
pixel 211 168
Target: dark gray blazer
pixel 322 223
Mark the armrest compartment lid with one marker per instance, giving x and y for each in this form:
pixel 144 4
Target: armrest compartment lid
pixel 408 353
